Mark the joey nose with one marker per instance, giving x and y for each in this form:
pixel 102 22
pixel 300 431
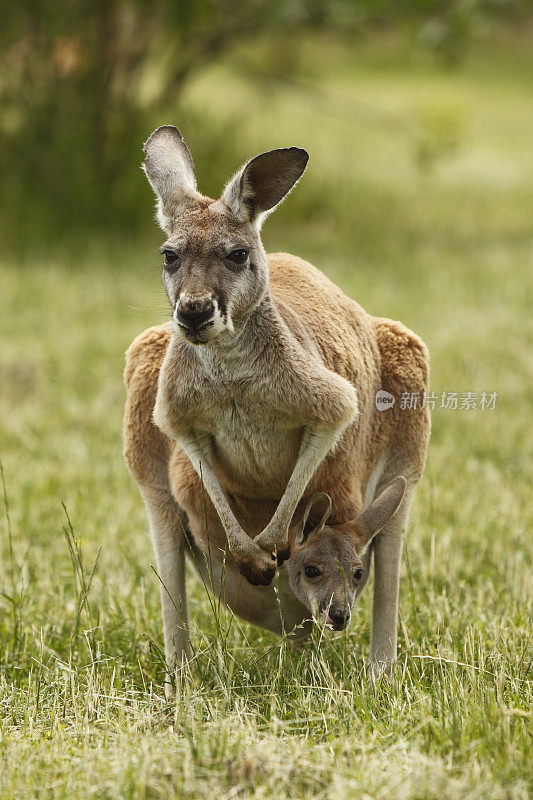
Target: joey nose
pixel 194 313
pixel 339 617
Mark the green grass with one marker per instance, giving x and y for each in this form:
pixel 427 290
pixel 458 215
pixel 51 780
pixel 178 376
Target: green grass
pixel 450 252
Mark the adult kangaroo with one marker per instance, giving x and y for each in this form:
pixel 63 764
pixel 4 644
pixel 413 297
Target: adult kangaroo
pixel 259 393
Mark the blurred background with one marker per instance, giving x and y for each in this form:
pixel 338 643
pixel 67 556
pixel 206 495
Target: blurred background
pixel 385 95
pixel 418 202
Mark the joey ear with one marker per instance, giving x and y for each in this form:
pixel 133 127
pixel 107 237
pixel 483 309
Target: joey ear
pixel 169 168
pixel 322 503
pixel 378 513
pixel 263 182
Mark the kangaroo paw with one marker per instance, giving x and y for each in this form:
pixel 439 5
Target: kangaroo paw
pixel 259 569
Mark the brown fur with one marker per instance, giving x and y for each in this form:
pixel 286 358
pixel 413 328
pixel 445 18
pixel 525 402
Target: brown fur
pixel 372 353
pixel 263 389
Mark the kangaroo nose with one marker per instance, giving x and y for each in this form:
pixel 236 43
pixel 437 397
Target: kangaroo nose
pixel 192 313
pixel 339 617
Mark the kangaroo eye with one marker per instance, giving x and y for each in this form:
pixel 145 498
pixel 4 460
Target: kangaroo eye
pixel 238 256
pixel 358 574
pixel 171 257
pixel 312 572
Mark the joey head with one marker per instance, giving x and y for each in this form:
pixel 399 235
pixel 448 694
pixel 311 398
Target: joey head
pixel 326 567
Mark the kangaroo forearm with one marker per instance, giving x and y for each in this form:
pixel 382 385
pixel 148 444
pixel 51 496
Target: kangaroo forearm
pixel 316 444
pixel 198 451
pixel 314 448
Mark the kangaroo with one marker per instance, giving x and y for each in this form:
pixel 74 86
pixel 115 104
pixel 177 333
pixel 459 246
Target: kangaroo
pixel 328 567
pixel 258 394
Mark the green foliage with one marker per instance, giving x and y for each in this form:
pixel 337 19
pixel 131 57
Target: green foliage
pixel 82 84
pixel 438 133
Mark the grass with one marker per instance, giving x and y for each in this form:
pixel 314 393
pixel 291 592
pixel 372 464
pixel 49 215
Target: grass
pixel 450 252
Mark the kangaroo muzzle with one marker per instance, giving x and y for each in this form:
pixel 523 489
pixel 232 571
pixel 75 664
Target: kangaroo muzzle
pixel 339 617
pixel 193 313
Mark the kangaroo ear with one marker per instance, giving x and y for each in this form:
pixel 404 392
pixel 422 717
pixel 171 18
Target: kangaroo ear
pixel 263 182
pixel 321 503
pixel 378 513
pixel 169 168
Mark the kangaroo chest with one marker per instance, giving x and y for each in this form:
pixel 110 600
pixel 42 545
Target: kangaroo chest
pixel 255 444
pixel 234 398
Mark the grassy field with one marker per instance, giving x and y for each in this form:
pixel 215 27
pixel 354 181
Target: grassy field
pixel 443 242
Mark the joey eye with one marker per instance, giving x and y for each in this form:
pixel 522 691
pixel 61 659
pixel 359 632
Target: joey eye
pixel 358 574
pixel 171 257
pixel 312 572
pixel 238 256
